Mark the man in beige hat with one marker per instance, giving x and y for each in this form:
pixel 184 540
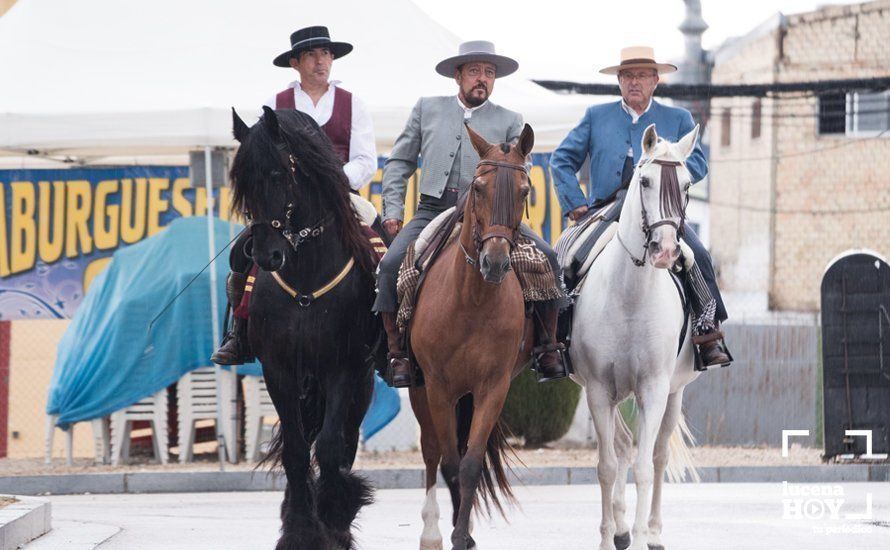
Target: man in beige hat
pixel 611 134
pixel 435 131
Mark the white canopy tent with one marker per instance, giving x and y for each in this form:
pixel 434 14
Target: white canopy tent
pixel 117 81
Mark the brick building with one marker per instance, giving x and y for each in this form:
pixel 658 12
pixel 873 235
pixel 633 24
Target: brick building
pixel 797 179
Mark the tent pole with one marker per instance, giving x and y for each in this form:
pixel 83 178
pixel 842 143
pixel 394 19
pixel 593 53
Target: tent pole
pixel 214 307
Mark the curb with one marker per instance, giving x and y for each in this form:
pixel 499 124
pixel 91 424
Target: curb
pixel 413 478
pixel 23 521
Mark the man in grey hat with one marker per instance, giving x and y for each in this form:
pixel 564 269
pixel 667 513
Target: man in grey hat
pixel 435 131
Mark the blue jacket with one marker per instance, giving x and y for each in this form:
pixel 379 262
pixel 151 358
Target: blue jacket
pixel 605 133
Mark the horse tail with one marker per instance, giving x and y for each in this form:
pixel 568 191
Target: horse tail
pixel 273 458
pixel 494 484
pixel 680 462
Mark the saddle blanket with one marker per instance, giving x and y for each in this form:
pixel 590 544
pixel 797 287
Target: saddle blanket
pixel 534 272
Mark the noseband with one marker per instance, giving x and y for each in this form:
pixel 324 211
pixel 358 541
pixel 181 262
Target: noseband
pixel 503 225
pixel 295 238
pixel 673 205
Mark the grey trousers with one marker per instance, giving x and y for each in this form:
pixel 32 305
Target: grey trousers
pixel 427 210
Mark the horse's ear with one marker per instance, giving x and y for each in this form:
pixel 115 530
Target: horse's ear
pixel 687 142
pixel 270 121
pixel 479 144
pixel 526 141
pixel 650 140
pixel 239 128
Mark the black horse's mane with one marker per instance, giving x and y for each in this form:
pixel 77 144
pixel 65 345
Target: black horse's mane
pixel 257 169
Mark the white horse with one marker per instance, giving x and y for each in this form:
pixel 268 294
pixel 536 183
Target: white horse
pixel 626 332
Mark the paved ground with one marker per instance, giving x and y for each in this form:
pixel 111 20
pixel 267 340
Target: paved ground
pixel 704 516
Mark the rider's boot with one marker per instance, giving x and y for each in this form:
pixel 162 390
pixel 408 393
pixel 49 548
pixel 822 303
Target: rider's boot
pixel 706 333
pixel 711 348
pixel 235 349
pixel 549 354
pixel 400 372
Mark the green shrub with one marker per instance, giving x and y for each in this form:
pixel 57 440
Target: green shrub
pixel 540 413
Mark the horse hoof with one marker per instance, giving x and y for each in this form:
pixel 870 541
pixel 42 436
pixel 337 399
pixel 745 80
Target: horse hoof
pixel 431 544
pixel 622 542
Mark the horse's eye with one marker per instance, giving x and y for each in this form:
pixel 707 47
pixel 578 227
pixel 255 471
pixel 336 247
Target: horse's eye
pixel 276 173
pixel 526 191
pixel 644 181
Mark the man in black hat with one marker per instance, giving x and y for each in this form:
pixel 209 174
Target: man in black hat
pixel 345 120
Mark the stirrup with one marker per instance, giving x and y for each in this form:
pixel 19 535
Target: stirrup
pixel 539 351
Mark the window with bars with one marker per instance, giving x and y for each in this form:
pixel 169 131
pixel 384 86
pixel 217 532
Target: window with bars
pixel 855 113
pixel 756 112
pixel 725 128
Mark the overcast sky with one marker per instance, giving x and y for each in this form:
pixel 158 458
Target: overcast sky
pixel 568 39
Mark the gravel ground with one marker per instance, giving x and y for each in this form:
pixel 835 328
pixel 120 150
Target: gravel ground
pixel 704 456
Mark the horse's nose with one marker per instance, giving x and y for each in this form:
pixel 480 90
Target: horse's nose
pixel 654 247
pixel 494 270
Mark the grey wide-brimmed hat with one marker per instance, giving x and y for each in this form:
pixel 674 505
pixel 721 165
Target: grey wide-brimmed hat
pixel 477 50
pixel 308 38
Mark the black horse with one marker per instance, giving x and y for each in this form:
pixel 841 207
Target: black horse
pixel 316 346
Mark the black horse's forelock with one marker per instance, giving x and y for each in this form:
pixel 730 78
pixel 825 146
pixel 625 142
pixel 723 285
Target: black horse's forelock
pixel 317 167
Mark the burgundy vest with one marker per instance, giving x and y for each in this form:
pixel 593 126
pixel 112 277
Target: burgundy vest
pixel 338 128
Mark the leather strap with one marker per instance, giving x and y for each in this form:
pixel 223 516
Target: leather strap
pixel 305 300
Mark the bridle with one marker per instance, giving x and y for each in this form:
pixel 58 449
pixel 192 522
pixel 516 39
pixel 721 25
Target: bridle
pixel 669 205
pixel 502 223
pixel 295 238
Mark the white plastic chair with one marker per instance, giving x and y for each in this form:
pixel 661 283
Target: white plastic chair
pixel 152 409
pixel 100 440
pixel 257 407
pixel 196 398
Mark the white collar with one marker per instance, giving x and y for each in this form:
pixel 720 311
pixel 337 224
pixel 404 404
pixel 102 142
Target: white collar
pixel 331 85
pixel 468 111
pixel 633 114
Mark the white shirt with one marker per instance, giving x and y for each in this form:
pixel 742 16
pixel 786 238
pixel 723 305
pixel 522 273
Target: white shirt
pixel 468 111
pixel 362 148
pixel 634 118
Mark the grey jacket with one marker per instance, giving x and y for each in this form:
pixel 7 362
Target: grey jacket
pixel 435 130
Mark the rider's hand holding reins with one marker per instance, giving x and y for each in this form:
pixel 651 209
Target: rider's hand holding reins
pixel 392 226
pixel 577 213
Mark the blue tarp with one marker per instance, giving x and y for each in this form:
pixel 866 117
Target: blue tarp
pixel 109 359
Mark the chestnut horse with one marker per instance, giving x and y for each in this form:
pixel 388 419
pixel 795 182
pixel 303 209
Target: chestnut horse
pixel 470 336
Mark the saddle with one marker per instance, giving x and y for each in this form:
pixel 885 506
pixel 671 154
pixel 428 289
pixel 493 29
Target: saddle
pixel 581 244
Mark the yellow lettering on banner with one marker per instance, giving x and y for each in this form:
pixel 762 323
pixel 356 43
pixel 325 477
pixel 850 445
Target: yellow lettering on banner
pixel 225 203
pixel 4 244
pixel 156 204
pixel 180 203
pixel 51 222
pixel 133 209
pixel 200 201
pixel 538 210
pixel 555 215
pixel 106 217
pixel 377 198
pixel 23 240
pixel 78 209
pixel 412 196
